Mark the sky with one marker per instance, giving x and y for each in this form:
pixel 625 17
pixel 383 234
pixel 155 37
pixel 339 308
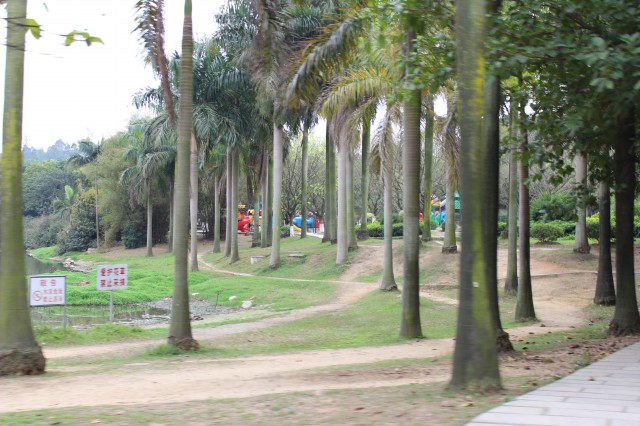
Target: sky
pixel 73 92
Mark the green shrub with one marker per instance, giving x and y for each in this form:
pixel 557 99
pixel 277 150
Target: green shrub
pixel 568 228
pixel 503 229
pixel 42 231
pixel 545 232
pixel 376 230
pixel 285 231
pixel 80 232
pixel 397 229
pixel 549 207
pixel 133 236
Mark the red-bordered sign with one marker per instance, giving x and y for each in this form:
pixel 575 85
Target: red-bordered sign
pixel 112 277
pixel 47 290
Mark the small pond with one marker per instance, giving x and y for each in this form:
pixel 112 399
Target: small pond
pixel 36 267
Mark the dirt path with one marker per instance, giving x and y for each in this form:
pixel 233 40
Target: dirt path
pixel 197 379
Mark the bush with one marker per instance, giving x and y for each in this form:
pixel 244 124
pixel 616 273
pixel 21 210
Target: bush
pixel 398 229
pixel 42 231
pixel 545 232
pixel 568 228
pixel 549 207
pixel 285 231
pixel 503 230
pixel 376 230
pixel 133 236
pixel 81 229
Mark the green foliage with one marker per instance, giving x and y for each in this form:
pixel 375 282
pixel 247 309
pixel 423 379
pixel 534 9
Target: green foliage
pixel 44 182
pixel 398 229
pixel 568 228
pixel 375 230
pixel 549 207
pixel 545 232
pixel 81 230
pixel 95 334
pixel 133 236
pixel 42 231
pixel 503 229
pixel 285 231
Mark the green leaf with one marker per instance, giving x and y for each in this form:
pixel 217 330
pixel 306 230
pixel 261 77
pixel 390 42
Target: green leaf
pixel 33 26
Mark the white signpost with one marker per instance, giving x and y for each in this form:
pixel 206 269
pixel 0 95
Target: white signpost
pixel 49 290
pixel 112 277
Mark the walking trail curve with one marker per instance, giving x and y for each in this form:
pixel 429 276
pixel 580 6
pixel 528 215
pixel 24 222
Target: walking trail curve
pixel 189 379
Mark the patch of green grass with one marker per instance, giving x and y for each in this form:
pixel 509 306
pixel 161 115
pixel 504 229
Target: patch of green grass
pixel 44 254
pixel 97 334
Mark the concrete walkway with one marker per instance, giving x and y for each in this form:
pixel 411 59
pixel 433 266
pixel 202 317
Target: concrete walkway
pixel 606 393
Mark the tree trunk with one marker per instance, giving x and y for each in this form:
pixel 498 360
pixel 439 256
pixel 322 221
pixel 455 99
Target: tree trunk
pixel 255 226
pixel 410 326
pixel 264 227
pixel 605 290
pixel 511 282
pixel 19 352
pixel 475 361
pixel 388 282
pixel 193 202
pixel 305 172
pixel 171 218
pixel 449 244
pixel 524 304
pixel 330 196
pixel 270 218
pixel 149 225
pixel 278 140
pixel 351 226
pixel 180 326
pixel 342 237
pixel 229 207
pixel 216 219
pixel 581 244
pixel 626 319
pixel 363 234
pixel 233 240
pixel 428 163
pixel 97 222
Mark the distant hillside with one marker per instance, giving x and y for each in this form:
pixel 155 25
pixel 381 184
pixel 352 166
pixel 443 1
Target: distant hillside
pixel 57 151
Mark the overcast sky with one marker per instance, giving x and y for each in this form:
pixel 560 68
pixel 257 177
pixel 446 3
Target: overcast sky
pixel 78 91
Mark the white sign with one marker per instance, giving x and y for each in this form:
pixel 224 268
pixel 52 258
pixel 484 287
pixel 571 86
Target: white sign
pixel 112 277
pixel 47 290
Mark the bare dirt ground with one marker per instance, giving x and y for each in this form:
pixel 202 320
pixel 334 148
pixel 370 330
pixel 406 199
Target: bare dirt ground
pixel 561 290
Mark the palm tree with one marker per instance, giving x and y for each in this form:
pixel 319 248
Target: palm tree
pixel 21 354
pixel 180 327
pixel 88 152
pixel 475 358
pixel 62 206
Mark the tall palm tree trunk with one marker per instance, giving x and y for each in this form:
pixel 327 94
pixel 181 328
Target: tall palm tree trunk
pixel 581 243
pixel 278 141
pixel 342 236
pixel 475 357
pixel 19 351
pixel 511 282
pixel 229 207
pixel 388 282
pixel 264 241
pixel 605 289
pixel 449 243
pixel 363 234
pixel 235 165
pixel 171 218
pixel 216 218
pixel 180 326
pixel 352 242
pixel 269 216
pixel 305 184
pixel 193 202
pixel 410 323
pixel 427 181
pixel 626 319
pixel 149 225
pixel 524 304
pixel 329 188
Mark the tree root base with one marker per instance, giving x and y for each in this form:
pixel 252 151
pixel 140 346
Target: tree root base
pixel 24 362
pixel 617 330
pixel 450 250
pixel 186 345
pixel 503 344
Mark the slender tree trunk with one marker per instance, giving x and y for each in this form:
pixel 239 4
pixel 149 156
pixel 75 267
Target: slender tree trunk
pixel 330 196
pixel 511 283
pixel 97 222
pixel 363 234
pixel 449 244
pixel 332 176
pixel 305 172
pixel 255 226
pixel 524 304
pixel 19 352
pixel 180 325
pixel 270 217
pixel 264 227
pixel 351 226
pixel 605 290
pixel 343 236
pixel 149 225
pixel 475 358
pixel 278 140
pixel 233 240
pixel 388 282
pixel 581 244
pixel 171 218
pixel 410 322
pixel 216 219
pixel 626 319
pixel 428 163
pixel 229 207
pixel 193 202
